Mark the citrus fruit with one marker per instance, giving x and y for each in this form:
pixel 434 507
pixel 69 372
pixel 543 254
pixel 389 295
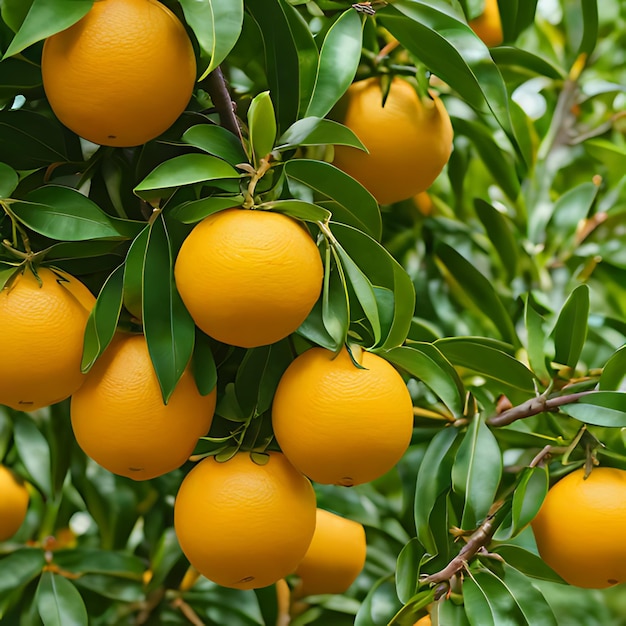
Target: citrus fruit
pixel 249 277
pixel 423 621
pixel 245 525
pixel 488 25
pixel 335 557
pixel 409 139
pixel 339 424
pixel 13 503
pixel 122 74
pixel 120 420
pixel 42 324
pixel 579 528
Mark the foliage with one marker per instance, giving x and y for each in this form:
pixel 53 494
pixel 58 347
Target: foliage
pixel 502 301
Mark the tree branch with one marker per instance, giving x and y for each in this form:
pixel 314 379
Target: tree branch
pixel 534 406
pixel 220 96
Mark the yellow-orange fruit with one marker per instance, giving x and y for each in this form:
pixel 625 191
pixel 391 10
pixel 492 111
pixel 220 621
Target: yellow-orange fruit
pixel 249 277
pixel 335 557
pixel 13 503
pixel 42 325
pixel 120 420
pixel 122 74
pixel 409 139
pixel 423 621
pixel 579 528
pixel 340 424
pixel 245 525
pixel 488 25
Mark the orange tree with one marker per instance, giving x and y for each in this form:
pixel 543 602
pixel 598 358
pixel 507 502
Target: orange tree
pixel 492 280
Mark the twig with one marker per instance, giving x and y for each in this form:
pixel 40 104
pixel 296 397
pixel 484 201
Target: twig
pixel 220 96
pixel 534 406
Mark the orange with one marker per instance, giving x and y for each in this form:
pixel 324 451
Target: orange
pixel 339 424
pixel 488 25
pixel 423 621
pixel 42 324
pixel 580 527
pixel 120 420
pixel 122 74
pixel 13 503
pixel 335 557
pixel 249 277
pixel 409 139
pixel 245 525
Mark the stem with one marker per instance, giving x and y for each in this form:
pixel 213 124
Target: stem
pixel 218 90
pixel 534 406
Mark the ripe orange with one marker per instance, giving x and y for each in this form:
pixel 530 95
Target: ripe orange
pixel 42 325
pixel 409 139
pixel 423 621
pixel 13 503
pixel 339 424
pixel 245 525
pixel 119 418
pixel 580 526
pixel 335 557
pixel 488 25
pixel 249 277
pixel 122 74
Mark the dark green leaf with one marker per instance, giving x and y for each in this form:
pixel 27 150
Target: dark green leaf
pixel 96 561
pixel 614 371
pixel 8 179
pixel 262 126
pixel 102 321
pixel 203 364
pixel 476 472
pixel 601 408
pixel 407 570
pixel 380 604
pixel 502 603
pixel 477 605
pixel 570 330
pixel 426 363
pixel 526 562
pixel 216 25
pixel 518 57
pixel 19 568
pixel 45 18
pixel 196 210
pixel 268 604
pixel 535 340
pixel 168 327
pixel 217 141
pixel 349 202
pixel 528 496
pixel 133 273
pixel 339 59
pixel 314 131
pixel 297 209
pixel 590 27
pixel 59 603
pixel 34 451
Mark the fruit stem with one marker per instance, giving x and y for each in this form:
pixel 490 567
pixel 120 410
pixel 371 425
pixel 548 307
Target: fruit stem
pixel 264 167
pixel 17 228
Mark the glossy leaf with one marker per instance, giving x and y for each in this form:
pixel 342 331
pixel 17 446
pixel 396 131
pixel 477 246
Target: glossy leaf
pixel 528 598
pixel 476 472
pixel 518 57
pixel 133 273
pixel 168 326
pixel 103 318
pixel 614 371
pixel 339 59
pixel 95 561
pixel 187 169
pixel 348 201
pixel 8 180
pixel 203 364
pixel 479 290
pixel 407 570
pixel 196 210
pixel 528 496
pixel 59 603
pixel 216 25
pixel 535 340
pixel 262 126
pixel 34 451
pixel 426 363
pixel 45 18
pixel 601 408
pixel 570 330
pixel 20 567
pixel 502 604
pixel 477 606
pixel 526 562
pixel 380 604
pixel 315 131
pixel 298 209
pixel 217 141
pixel 590 27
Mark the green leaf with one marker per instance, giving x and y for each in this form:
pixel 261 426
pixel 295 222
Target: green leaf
pixel 526 562
pixel 203 364
pixel 589 21
pixel 487 361
pixel 477 607
pixel 380 604
pixel 65 214
pixel 570 330
pixel 217 141
pixel 518 57
pixel 19 77
pixel 168 327
pixel 45 18
pixel 34 451
pixel 314 131
pixel 479 290
pixel 103 318
pixel 407 570
pixel 528 496
pixel 196 210
pixel 262 125
pixel 298 209
pixel 535 340
pixel 291 57
pixel 530 600
pixel 348 201
pixel 96 561
pixel 187 169
pixel 133 273
pixel 339 58
pixel 267 598
pixel 600 408
pixel 502 603
pixel 426 363
pixel 59 603
pixel 614 371
pixel 335 302
pixel 433 479
pixel 476 472
pixel 217 25
pixel 19 567
pixel 8 179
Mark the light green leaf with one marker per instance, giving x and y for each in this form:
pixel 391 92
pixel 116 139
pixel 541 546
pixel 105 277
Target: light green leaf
pixel 570 330
pixel 217 141
pixel 314 131
pixel 262 125
pixel 59 603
